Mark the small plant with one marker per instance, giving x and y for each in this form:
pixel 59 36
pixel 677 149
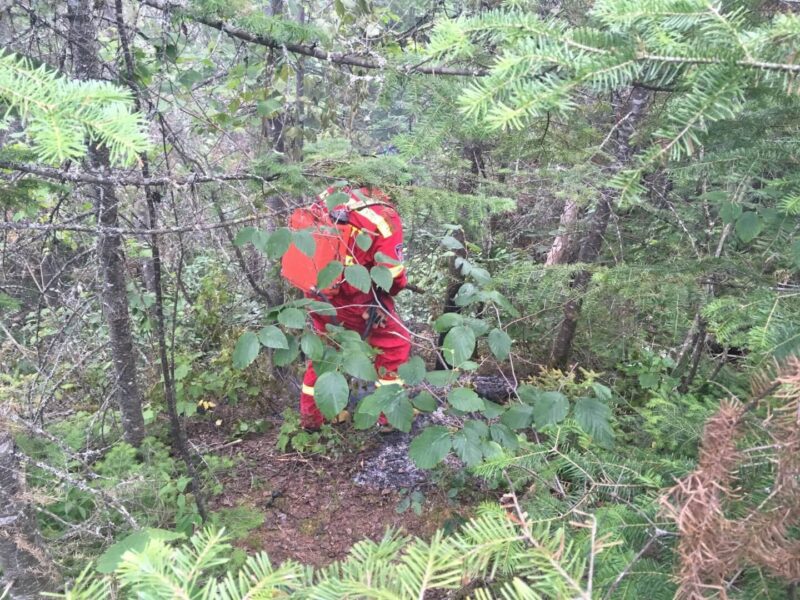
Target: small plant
pixel 292 435
pixel 411 500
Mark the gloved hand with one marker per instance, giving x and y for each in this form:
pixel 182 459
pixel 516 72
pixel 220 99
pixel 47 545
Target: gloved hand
pixel 378 317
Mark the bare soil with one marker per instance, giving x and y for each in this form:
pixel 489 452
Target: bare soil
pixel 314 511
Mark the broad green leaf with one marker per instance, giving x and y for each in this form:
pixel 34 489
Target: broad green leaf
pixel 480 275
pixel 479 428
pixel 467 446
pixel 602 392
pixel 364 241
pixel 135 542
pixel 503 435
pixel 447 321
pixel 336 199
pixel 748 226
pixel 649 380
pixel 358 277
pixel 594 417
pixel 305 242
pixel 730 211
pixel 424 401
pixel 278 243
pixel 380 257
pixel 272 337
pixel 367 412
pixel 452 243
pixel 528 394
pixel 441 378
pixel 412 372
pixel 329 274
pixel 518 416
pixel 465 399
pixel 294 318
pixel 331 393
pixel 283 357
pixel 499 343
pixel 244 235
pixel 430 447
pixel 360 366
pixel 550 408
pixel 382 277
pixel 312 346
pixel 478 326
pixel 246 350
pixel 459 344
pixel 400 413
pixel 492 410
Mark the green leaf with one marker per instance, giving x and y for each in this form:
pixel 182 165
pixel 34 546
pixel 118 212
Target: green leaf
pixel 459 344
pixel 294 318
pixel 730 211
pixel 447 321
pixel 272 337
pixel 452 243
pixel 285 356
pixel 305 242
pixel 518 416
pixel 424 401
pixel 602 392
pixel 550 408
pixel 312 346
pixel 135 542
pixel 246 350
pixel 244 235
pixel 528 394
pixel 649 380
pixel 329 274
pixel 400 413
pixel 499 343
pixel 358 277
pixel 492 410
pixel 331 393
pixel 465 399
pixel 594 417
pixel 478 326
pixel 430 447
pixel 336 199
pixel 503 435
pixel 360 366
pixel 412 372
pixel 367 412
pixel 441 378
pixel 278 243
pixel 467 446
pixel 364 241
pixel 382 277
pixel 748 226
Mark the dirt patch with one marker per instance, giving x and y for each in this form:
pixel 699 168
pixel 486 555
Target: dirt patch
pixel 317 507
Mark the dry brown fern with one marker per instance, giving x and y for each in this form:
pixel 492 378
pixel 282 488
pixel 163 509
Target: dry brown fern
pixel 713 547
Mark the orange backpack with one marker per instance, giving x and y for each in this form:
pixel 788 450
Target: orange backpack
pixel 332 243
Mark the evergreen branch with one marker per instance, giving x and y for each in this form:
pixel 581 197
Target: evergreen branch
pixel 311 50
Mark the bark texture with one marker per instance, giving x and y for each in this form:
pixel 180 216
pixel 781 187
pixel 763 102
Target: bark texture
pixel 86 65
pixel 25 565
pixel 629 113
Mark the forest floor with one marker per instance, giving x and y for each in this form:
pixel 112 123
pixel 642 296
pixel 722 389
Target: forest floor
pixel 313 507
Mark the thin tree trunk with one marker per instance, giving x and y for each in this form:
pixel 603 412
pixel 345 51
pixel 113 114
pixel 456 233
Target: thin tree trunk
pixel 83 43
pixel 562 248
pixel 179 438
pixel 629 115
pixel 24 563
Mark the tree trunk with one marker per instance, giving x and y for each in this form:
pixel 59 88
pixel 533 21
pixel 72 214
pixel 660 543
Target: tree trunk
pixel 629 114
pixel 562 249
pixel 83 42
pixel 24 563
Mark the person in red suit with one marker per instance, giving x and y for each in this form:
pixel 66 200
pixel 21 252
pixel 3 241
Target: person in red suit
pixel 372 314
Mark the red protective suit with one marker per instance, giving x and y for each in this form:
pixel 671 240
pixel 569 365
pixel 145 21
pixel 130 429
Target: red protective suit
pixel 368 213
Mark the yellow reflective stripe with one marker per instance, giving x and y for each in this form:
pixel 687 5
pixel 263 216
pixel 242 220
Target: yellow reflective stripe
pixel 308 390
pixel 370 215
pixel 322 195
pixel 397 270
pixel 349 261
pixel 396 380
